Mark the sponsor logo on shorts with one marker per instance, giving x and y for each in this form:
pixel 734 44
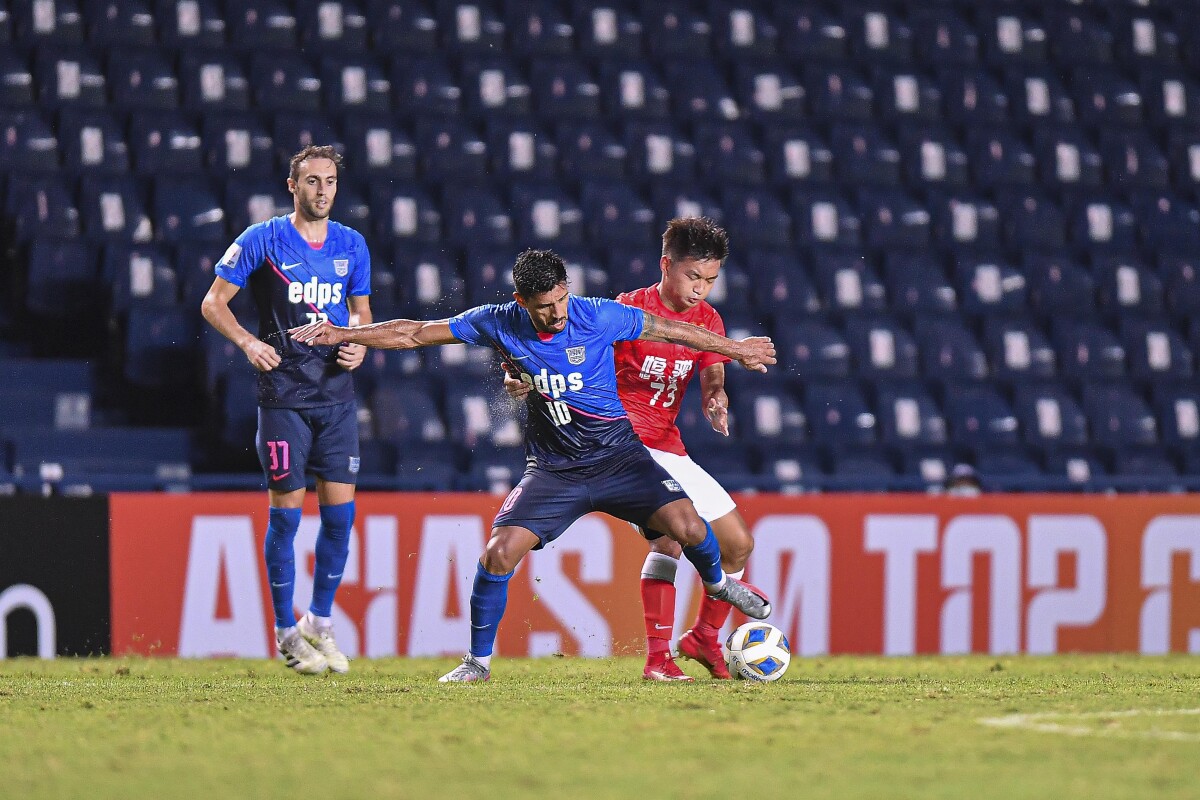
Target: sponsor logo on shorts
pixel 575 355
pixel 341 266
pixel 355 462
pixel 672 486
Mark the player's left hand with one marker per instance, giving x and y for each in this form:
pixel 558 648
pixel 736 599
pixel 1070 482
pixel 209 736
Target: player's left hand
pixel 756 352
pixel 350 356
pixel 717 412
pixel 315 333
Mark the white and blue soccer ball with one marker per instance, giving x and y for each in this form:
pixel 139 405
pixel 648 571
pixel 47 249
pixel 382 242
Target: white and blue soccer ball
pixel 758 652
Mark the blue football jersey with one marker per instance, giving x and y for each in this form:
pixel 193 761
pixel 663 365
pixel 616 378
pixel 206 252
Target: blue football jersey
pixel 293 284
pixel 575 416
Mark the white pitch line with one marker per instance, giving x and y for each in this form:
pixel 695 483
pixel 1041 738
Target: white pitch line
pixel 1039 722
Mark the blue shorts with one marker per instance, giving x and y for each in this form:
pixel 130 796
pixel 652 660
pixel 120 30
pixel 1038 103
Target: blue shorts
pixel 630 486
pixel 293 441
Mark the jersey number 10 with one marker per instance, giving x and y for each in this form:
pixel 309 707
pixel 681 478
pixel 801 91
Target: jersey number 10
pixel 560 413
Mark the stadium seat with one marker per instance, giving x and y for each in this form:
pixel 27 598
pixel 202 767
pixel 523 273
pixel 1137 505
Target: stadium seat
pixel 917 285
pixel 847 283
pixel 470 27
pixel 159 347
pixel 1040 98
pixel 1178 412
pixel 839 415
pixel 813 350
pixel 405 212
pixel 332 26
pixel 29 144
pixel 615 213
pixel 769 416
pixel 539 28
pixel 187 211
pixel 428 283
pixel 864 156
pixel 1013 37
pixel 979 417
pixel 657 152
pixel 894 220
pixel 909 417
pixel 781 288
pixel 949 351
pixel 1050 417
pixel 142 79
pixel 112 208
pixel 588 151
pixel 475 217
pixel 406 27
pixel 931 156
pixel 405 413
pixel 1181 285
pixel 92 141
pixel 41 206
pixel 425 86
pixel 882 349
pixel 797 154
pixel 214 80
pixel 990 286
pixel 1059 287
pixel 729 154
pixel 825 218
pixel 1088 350
pixel 607 30
pixel 355 84
pixel 69 79
pixel 1018 350
pixel 164 142
pixel 965 220
pixel 258 25
pixel 546 216
pixel 756 218
pixel 62 281
pixel 907 95
pixel 564 90
pixel 973 97
pixel 1127 287
pixel 1118 416
pixel 495 87
pixel 141 275
pixel 838 93
pixel 1155 351
pixel 17 88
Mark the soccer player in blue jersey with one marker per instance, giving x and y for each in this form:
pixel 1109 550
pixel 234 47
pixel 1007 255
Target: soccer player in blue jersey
pixel 583 454
pixel 302 268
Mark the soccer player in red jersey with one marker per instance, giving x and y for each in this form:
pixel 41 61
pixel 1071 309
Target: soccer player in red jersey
pixel 651 380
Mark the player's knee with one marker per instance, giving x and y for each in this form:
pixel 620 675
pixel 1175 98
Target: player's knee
pixel 666 546
pixel 498 557
pixel 736 550
pixel 691 531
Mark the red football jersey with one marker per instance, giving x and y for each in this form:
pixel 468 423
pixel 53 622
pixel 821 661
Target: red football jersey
pixel 652 376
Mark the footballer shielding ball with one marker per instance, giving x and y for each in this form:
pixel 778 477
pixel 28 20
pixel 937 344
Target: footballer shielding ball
pixel 758 652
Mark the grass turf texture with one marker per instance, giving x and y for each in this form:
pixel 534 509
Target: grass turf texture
pixel 832 727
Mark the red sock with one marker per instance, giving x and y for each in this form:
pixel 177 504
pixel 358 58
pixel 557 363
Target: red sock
pixel 713 614
pixel 658 605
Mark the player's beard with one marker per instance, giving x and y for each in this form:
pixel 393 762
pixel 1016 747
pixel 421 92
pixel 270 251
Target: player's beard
pixel 312 211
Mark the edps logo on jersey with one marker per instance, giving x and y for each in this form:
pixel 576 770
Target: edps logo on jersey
pixel 555 385
pixel 315 292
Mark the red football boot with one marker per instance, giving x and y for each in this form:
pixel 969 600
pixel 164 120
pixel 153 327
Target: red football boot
pixel 665 669
pixel 706 651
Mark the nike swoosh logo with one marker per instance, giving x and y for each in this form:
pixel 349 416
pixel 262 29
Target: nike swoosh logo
pixel 281 477
pixel 281 585
pixel 289 266
pixel 658 627
pixel 519 358
pixel 333 577
pixel 477 627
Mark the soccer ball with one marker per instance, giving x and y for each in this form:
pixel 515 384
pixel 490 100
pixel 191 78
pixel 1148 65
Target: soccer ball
pixel 758 652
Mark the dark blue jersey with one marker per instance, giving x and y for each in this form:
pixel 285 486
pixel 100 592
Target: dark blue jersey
pixel 294 284
pixel 575 416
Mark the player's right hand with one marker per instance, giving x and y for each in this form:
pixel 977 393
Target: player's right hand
pixel 756 352
pixel 261 355
pixel 516 388
pixel 315 333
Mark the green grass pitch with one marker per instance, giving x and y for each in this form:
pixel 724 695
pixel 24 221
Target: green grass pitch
pixel 839 727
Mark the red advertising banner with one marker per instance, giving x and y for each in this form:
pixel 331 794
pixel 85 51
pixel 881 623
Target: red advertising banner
pixel 893 574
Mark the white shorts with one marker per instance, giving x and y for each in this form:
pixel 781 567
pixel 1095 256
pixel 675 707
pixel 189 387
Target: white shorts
pixel 710 498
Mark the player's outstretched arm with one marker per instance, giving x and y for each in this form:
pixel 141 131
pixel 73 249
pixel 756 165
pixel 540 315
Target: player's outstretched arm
pixel 753 352
pixel 394 334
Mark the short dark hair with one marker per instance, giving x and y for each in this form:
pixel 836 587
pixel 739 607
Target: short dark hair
pixel 537 271
pixel 695 238
pixel 314 151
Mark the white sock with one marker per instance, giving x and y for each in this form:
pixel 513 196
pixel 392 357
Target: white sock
pixel 737 575
pixel 319 622
pixel 486 661
pixel 713 588
pixel 283 633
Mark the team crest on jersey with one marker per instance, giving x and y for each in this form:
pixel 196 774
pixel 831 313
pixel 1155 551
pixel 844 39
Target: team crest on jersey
pixel 672 486
pixel 355 462
pixel 575 355
pixel 341 266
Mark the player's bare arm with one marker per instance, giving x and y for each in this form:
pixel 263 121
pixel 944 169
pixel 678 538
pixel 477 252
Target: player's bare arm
pixel 394 334
pixel 215 308
pixel 753 352
pixel 713 399
pixel 350 356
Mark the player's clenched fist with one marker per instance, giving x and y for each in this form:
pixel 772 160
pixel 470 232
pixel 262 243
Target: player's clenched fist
pixel 350 356
pixel 756 352
pixel 315 333
pixel 261 355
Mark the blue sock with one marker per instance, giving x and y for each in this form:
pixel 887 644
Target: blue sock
pixel 706 557
pixel 333 548
pixel 489 596
pixel 281 563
